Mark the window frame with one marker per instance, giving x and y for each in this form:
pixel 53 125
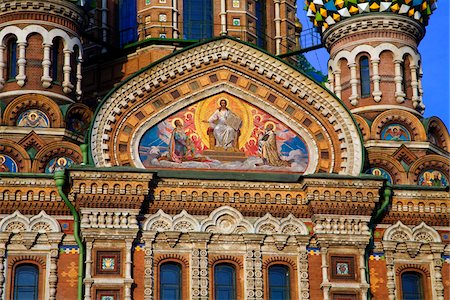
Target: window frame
pixel 238 278
pixel 365 82
pixel 184 277
pixel 180 277
pixel 288 279
pixel 11 58
pixel 425 283
pixel 10 284
pixel 293 286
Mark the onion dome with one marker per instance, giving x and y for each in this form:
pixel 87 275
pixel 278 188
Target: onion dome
pixel 325 13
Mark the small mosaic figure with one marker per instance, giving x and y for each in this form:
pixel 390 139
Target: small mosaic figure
pixel 33 118
pixel 7 164
pixel 58 164
pixel 395 132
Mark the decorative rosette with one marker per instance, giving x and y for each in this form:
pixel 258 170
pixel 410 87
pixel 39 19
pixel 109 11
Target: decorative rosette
pixel 324 13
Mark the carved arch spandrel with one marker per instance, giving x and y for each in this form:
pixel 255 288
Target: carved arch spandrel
pixel 363 126
pixel 33 101
pixel 17 153
pixel 391 165
pixel 428 162
pixel 54 150
pixel 297 94
pixel 438 129
pixel 407 119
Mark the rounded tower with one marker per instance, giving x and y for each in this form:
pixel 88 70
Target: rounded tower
pixel 41 117
pixel 374 61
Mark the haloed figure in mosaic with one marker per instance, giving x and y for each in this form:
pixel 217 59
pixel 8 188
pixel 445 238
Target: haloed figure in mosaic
pixel 181 146
pixel 268 148
pixel 225 125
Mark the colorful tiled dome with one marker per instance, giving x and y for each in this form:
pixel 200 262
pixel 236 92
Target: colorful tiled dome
pixel 325 13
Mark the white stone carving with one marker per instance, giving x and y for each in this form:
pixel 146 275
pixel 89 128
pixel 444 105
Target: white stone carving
pixel 227 220
pixel 109 218
pixel 248 57
pixel 402 233
pixel 17 223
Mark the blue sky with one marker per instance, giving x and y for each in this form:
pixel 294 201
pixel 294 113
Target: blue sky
pixel 434 50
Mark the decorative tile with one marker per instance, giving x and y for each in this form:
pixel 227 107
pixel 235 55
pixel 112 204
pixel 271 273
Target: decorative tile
pixel 313 251
pixel 69 249
pixel 108 262
pixel 343 267
pixel 107 294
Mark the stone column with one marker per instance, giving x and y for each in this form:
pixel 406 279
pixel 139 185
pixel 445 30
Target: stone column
pixel 437 285
pixel 398 78
pixel 415 86
pixel 21 62
pixel 223 17
pixel 376 80
pixel 200 272
pixel 175 19
pixel 67 85
pixel 128 269
pixel 53 278
pixel 46 63
pixel 303 266
pixel 79 77
pixel 354 84
pixel 277 20
pixel 362 272
pixel 88 275
pixel 337 83
pixel 389 250
pixel 253 267
pixel 4 238
pixel 148 238
pixel 2 67
pixel 326 285
pixel 330 83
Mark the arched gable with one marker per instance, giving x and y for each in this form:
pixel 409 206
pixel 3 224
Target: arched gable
pixel 437 133
pixel 404 118
pixel 226 67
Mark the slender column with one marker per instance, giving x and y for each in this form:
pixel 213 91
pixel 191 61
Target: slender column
pixel 438 285
pixel 200 272
pixel 4 238
pixel 128 269
pixel 354 84
pixel 175 19
pixel 330 83
pixel 420 84
pixel 53 278
pixel 376 80
pixel 67 86
pixel 46 63
pixel 337 83
pixel 2 68
pixel 148 265
pixel 390 273
pixel 21 62
pixel 325 283
pixel 79 77
pixel 223 17
pixel 303 270
pixel 415 86
pixel 277 20
pixel 362 274
pixel 253 267
pixel 398 78
pixel 88 276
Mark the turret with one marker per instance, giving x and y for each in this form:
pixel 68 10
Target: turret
pixel 374 61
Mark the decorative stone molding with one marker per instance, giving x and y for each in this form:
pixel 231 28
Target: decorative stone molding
pixel 220 52
pixel 224 220
pixel 24 102
pixel 397 238
pixel 109 218
pixel 17 223
pixel 370 23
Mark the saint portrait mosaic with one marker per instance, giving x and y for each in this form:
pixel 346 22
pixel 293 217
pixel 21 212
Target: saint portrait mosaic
pixel 33 118
pixel 380 172
pixel 395 132
pixel 58 164
pixel 223 133
pixel 7 164
pixel 432 178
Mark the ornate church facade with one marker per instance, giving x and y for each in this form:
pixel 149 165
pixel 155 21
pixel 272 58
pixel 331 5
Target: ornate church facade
pixel 154 149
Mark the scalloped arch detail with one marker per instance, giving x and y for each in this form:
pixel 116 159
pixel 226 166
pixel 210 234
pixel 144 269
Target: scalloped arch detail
pixel 363 127
pixel 391 165
pixel 29 224
pixel 437 127
pixel 297 93
pixel 29 101
pixel 58 149
pixel 427 162
pixel 412 267
pixel 163 258
pixel 407 119
pixel 17 153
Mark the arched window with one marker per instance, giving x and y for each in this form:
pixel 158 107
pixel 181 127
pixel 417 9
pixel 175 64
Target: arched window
pixel 364 75
pixel 26 281
pixel 57 60
pixel 412 286
pixel 197 19
pixel 170 281
pixel 403 74
pixel 224 282
pixel 11 64
pixel 279 282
